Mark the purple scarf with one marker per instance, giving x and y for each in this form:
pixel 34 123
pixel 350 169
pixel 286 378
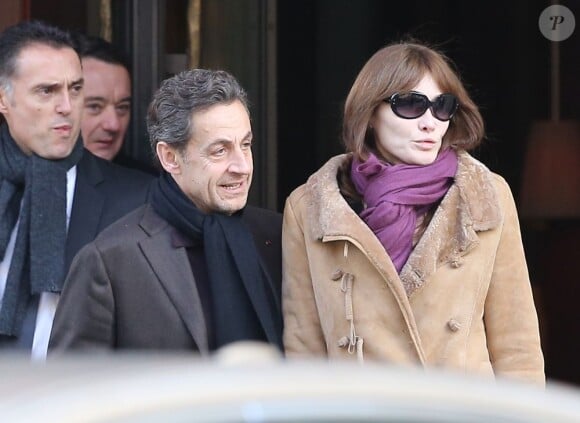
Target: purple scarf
pixel 395 194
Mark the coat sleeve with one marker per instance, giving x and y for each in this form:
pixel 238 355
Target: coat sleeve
pixel 510 316
pixel 84 317
pixel 302 330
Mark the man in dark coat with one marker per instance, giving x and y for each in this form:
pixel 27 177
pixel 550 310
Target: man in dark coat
pixel 54 196
pixel 195 269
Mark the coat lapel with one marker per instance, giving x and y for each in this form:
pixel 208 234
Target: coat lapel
pixel 333 219
pixel 265 305
pixel 172 268
pixel 266 302
pixel 470 205
pixel 87 208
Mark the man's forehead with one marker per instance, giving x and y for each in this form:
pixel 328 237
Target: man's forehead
pixel 33 47
pixel 45 54
pixel 92 60
pixel 222 115
pixel 105 75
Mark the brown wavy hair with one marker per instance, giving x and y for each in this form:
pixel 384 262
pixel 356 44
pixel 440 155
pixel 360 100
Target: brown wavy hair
pixel 396 68
pixel 399 67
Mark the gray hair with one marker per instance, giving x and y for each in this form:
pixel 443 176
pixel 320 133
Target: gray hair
pixel 170 113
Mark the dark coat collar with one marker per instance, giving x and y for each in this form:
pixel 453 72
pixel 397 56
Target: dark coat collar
pixel 88 203
pixel 171 266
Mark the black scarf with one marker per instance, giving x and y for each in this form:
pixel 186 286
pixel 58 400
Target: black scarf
pixel 32 190
pixel 233 263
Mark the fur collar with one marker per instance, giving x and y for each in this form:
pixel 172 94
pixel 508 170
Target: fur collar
pixel 470 205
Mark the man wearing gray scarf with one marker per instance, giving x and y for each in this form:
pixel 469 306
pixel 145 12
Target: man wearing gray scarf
pixel 54 196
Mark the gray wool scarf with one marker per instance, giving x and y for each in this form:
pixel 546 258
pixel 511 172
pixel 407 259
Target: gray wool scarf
pixel 33 192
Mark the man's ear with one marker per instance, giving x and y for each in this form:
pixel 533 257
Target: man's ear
pixel 4 101
pixel 168 157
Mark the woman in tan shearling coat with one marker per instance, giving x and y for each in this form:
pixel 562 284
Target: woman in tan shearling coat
pixel 407 249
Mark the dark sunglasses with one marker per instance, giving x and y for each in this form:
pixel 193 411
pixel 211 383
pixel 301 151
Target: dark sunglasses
pixel 413 104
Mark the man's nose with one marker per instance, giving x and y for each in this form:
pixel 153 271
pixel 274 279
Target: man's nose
pixel 64 105
pixel 241 161
pixel 111 121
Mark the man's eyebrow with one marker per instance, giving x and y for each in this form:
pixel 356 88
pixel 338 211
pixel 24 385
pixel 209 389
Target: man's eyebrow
pixel 104 100
pixel 55 85
pixel 95 98
pixel 77 82
pixel 228 141
pixel 47 85
pixel 219 141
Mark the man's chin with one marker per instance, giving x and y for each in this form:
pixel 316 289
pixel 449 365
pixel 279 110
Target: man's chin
pixel 231 207
pixel 106 155
pixel 57 154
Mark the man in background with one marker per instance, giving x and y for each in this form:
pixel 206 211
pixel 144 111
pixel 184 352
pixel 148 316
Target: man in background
pixel 107 104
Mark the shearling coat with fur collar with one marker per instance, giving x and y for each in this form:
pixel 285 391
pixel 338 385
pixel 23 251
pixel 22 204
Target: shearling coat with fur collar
pixel 462 301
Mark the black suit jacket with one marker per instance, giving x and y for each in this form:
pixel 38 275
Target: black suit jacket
pixel 104 192
pixel 133 288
